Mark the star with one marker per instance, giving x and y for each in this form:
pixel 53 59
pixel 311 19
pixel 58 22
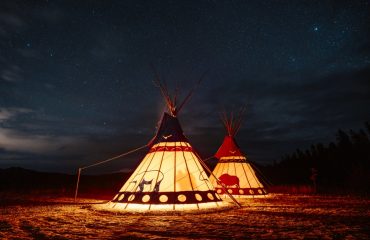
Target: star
pixel 292 59
pixel 316 29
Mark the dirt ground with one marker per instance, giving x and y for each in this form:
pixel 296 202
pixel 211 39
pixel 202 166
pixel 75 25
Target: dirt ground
pixel 278 216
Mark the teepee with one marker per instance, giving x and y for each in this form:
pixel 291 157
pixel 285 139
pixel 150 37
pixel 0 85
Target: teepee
pixel 233 170
pixel 171 176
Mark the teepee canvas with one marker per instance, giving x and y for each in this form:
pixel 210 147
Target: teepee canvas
pixel 171 176
pixel 233 171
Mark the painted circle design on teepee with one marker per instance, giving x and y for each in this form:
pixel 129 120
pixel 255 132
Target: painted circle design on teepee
pixel 230 191
pixel 131 197
pixel 241 191
pixel 259 191
pixel 219 191
pixel 251 191
pixel 181 198
pixel 121 197
pixel 198 197
pixel 145 198
pixel 163 198
pixel 210 196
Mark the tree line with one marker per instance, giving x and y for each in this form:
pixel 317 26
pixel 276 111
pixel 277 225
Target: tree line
pixel 340 166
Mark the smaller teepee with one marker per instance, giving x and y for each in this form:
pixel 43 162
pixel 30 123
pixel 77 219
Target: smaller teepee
pixel 233 170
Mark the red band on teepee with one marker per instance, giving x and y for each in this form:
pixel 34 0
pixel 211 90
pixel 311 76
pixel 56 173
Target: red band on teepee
pixel 171 149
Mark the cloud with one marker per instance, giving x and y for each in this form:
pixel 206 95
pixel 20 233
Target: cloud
pixel 12 74
pixel 11 20
pixel 8 113
pixel 15 141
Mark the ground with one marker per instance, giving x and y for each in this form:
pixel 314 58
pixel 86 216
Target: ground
pixel 275 217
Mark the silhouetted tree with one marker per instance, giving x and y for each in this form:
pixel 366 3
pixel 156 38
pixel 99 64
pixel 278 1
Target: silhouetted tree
pixel 367 124
pixel 344 165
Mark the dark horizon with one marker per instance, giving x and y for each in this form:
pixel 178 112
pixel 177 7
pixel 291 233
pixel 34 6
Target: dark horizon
pixel 76 82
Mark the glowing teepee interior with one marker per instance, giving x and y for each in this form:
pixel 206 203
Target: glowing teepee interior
pixel 233 170
pixel 171 176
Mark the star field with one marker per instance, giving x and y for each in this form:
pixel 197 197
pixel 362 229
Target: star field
pixel 76 82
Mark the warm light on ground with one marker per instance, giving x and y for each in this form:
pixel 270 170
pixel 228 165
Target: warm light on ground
pixel 111 206
pixel 275 217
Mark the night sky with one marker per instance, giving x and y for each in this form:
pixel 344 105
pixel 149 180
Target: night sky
pixel 76 83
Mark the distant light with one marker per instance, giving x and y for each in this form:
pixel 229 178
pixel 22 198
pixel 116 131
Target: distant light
pixel 316 29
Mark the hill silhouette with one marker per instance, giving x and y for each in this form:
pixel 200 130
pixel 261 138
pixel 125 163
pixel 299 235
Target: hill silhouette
pixel 22 181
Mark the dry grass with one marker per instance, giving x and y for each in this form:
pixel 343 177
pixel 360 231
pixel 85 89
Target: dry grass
pixel 275 217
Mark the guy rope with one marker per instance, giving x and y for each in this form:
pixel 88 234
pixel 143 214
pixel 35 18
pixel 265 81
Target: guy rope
pixel 102 162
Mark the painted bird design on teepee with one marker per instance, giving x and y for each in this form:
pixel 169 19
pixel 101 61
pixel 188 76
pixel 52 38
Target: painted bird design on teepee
pixel 166 137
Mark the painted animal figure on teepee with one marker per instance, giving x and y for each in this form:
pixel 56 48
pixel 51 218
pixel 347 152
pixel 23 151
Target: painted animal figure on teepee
pixel 171 176
pixel 233 171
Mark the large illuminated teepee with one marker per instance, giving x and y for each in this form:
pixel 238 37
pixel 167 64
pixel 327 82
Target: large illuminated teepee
pixel 233 171
pixel 171 176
